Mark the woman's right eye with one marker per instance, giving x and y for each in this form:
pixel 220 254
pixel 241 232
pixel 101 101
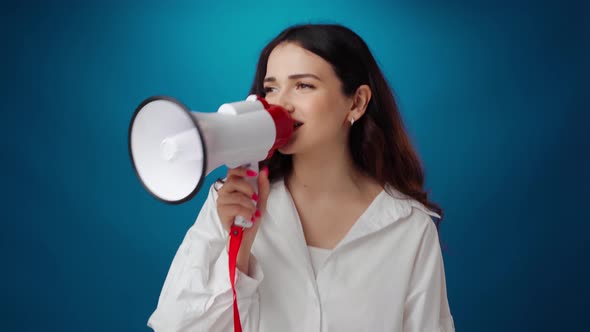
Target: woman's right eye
pixel 269 89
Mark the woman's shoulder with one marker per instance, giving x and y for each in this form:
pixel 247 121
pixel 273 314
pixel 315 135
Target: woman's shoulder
pixel 401 206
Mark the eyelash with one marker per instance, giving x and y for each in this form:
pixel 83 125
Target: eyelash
pixel 268 89
pixel 309 86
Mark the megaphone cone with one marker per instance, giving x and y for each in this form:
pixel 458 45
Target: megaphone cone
pixel 172 149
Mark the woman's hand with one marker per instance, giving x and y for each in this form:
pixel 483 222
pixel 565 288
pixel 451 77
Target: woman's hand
pixel 237 198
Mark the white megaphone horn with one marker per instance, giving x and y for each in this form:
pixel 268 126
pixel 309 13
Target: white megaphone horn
pixel 173 149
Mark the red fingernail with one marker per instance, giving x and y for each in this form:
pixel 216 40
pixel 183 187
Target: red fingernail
pixel 252 219
pixel 257 214
pixel 255 197
pixel 265 169
pixel 251 173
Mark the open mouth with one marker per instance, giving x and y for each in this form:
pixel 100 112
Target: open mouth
pixel 297 124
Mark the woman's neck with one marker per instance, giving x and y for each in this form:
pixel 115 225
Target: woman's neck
pixel 326 171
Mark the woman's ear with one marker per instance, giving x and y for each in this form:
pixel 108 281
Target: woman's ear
pixel 360 101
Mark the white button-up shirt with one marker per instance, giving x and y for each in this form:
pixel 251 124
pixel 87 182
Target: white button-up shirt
pixel 386 274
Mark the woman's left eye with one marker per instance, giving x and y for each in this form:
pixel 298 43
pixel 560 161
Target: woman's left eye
pixel 304 86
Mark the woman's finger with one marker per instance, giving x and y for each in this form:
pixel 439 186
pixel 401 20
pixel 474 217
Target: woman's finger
pixel 263 189
pixel 237 198
pixel 241 172
pixel 236 184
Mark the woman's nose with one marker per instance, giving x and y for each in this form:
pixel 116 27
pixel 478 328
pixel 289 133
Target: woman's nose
pixel 285 103
pixel 290 109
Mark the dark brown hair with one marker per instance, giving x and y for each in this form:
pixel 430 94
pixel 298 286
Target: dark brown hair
pixel 378 141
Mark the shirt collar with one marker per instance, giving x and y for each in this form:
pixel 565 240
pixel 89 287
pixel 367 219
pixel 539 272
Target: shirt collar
pixel 388 207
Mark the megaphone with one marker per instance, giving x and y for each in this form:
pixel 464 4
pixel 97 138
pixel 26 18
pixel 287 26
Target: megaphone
pixel 173 149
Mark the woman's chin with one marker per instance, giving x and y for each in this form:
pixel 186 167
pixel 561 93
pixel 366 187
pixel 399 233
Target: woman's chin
pixel 286 149
pixel 289 147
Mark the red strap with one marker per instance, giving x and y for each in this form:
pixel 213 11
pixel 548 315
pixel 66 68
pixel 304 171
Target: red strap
pixel 235 241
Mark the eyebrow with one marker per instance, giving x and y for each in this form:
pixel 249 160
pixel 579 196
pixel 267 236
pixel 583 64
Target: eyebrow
pixel 293 77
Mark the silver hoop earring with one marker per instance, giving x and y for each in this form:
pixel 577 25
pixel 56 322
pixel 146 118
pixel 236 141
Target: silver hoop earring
pixel 351 122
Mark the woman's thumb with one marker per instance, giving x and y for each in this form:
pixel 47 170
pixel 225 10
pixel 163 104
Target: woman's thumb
pixel 263 189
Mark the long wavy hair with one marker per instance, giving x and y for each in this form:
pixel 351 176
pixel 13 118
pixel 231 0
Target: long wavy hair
pixel 378 141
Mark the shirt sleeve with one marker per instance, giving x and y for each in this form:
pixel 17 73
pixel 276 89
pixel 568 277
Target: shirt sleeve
pixel 426 306
pixel 197 294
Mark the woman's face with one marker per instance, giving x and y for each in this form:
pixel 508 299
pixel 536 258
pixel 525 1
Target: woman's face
pixel 307 86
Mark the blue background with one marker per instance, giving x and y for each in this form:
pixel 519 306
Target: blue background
pixel 495 97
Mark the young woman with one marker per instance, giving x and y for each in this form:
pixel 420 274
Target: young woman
pixel 344 237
